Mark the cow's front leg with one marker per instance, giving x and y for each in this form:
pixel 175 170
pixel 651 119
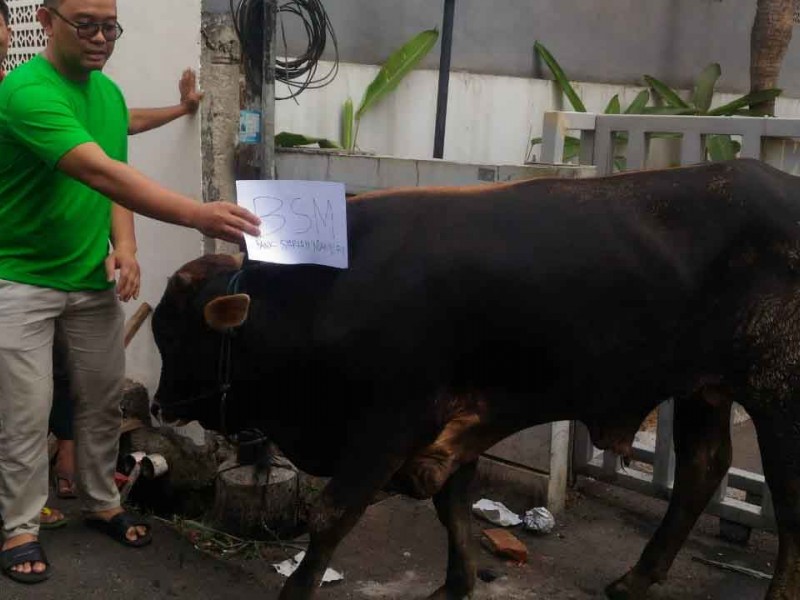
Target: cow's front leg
pixel 703 455
pixel 452 507
pixel 338 508
pixel 379 445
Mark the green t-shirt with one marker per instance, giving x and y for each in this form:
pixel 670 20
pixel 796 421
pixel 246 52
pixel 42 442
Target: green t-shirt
pixel 54 230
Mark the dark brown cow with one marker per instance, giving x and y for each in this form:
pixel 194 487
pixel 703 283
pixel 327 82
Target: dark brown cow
pixel 469 314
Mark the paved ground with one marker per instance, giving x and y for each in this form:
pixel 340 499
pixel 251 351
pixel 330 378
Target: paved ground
pixel 398 551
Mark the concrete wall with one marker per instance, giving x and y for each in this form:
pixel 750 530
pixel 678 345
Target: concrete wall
pixel 490 118
pixel 609 41
pixel 161 39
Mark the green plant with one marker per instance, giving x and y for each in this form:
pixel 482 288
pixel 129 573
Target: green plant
pixel 347 125
pixel 401 62
pixel 572 145
pixel 293 140
pixel 718 147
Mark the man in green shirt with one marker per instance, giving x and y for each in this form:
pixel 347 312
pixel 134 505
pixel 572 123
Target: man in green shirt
pixel 63 148
pixel 140 120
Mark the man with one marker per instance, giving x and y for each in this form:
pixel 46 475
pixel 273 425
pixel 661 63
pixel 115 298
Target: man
pixel 140 120
pixel 48 517
pixel 63 145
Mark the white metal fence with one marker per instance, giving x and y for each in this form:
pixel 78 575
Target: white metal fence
pixel 597 143
pixel 771 139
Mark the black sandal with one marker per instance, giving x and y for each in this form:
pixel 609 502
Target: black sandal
pixel 117 527
pixel 32 552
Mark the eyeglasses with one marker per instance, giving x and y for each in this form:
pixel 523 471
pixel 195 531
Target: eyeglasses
pixel 112 30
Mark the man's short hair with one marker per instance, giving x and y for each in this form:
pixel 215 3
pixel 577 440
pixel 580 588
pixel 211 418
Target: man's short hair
pixel 4 12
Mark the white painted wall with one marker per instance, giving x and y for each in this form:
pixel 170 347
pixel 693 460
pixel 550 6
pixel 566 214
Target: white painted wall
pixel 490 118
pixel 161 39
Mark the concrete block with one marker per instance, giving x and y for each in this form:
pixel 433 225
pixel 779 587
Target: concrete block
pixel 440 172
pixel 302 166
pixel 358 173
pixel 529 448
pixel 534 171
pixel 397 172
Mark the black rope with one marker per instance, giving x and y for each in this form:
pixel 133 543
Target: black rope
pixel 299 73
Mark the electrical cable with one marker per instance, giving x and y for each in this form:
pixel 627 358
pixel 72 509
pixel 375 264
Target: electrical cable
pixel 298 73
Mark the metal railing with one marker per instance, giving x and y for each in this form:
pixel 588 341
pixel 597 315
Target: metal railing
pixel 597 131
pixel 754 511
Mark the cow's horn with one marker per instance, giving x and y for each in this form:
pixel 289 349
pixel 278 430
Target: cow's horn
pixel 227 312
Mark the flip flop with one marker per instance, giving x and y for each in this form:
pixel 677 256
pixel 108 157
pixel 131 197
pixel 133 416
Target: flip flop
pixel 118 526
pixel 31 552
pixel 55 524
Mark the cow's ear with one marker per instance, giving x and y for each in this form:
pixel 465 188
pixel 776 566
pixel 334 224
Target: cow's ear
pixel 227 312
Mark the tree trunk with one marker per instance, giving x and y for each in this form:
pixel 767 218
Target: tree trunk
pixel 769 40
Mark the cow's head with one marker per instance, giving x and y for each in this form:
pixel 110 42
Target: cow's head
pixel 189 325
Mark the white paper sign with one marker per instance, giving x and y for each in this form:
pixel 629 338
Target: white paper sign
pixel 301 221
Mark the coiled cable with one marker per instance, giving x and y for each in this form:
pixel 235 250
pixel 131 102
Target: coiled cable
pixel 300 72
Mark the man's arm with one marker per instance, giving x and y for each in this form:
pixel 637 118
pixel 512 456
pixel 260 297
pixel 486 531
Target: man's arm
pixel 145 119
pixel 126 186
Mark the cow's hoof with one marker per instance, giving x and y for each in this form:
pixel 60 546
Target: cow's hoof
pixel 627 587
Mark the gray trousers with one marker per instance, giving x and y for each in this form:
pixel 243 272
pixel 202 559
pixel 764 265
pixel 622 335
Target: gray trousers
pixel 91 325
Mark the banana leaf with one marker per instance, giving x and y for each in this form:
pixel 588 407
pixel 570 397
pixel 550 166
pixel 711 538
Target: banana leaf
pixel 292 140
pixel 666 93
pixel 560 77
pixel 704 88
pixel 613 107
pixel 572 148
pixel 639 103
pixel 399 64
pixel 347 125
pixel 745 101
pixel 722 147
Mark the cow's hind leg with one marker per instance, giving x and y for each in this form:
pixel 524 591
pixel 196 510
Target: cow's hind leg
pixel 779 441
pixel 452 507
pixel 703 455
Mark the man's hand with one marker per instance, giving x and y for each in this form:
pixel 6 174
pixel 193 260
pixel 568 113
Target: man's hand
pixel 225 221
pixel 128 281
pixel 190 95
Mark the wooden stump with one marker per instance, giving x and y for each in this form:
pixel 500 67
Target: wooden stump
pixel 255 509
